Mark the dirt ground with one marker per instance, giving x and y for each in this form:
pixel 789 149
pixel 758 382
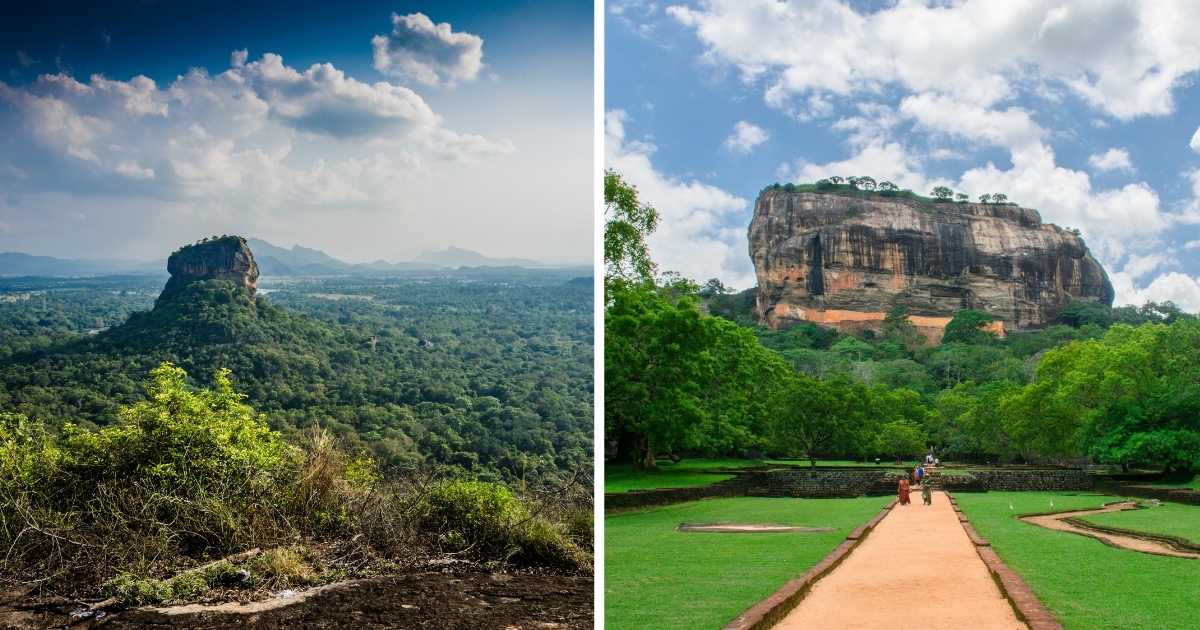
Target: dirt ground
pixel 1058 522
pixel 917 569
pixel 421 600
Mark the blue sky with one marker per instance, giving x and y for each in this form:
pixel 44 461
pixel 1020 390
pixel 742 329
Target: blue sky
pixel 1086 111
pixel 369 129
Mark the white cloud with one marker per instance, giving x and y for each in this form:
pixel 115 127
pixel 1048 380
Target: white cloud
pixel 885 162
pixel 1192 245
pixel 248 131
pixel 429 53
pixel 25 59
pixel 1112 160
pixel 1195 143
pixel 1122 58
pixel 693 237
pixel 943 115
pixel 745 137
pixel 1173 286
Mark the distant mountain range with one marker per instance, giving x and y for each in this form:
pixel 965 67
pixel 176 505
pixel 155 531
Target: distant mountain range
pixel 272 261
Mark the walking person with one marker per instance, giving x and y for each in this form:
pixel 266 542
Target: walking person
pixel 926 494
pixel 919 474
pixel 902 491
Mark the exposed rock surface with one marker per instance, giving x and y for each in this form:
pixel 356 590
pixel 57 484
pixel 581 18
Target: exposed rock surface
pixel 844 261
pixel 226 258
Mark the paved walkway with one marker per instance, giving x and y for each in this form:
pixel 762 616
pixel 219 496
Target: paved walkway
pixel 916 570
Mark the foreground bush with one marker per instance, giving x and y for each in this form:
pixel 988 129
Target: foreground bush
pixel 488 519
pixel 194 475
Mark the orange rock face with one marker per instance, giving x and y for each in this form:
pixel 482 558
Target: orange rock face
pixel 843 261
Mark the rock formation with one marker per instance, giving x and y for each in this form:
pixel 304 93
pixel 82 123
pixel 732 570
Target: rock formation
pixel 226 258
pixel 843 261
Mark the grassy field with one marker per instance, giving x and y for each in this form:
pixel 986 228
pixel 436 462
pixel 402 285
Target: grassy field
pixel 1172 519
pixel 687 473
pixel 690 473
pixel 1088 585
pixel 656 577
pixel 1193 483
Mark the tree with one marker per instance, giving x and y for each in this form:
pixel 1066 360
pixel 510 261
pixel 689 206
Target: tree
pixel 627 223
pixel 961 197
pixel 654 363
pixel 714 287
pixel 865 183
pixel 812 417
pixel 1078 313
pixel 837 179
pixel 902 438
pixel 942 193
pixel 897 327
pixel 886 186
pixel 967 327
pixel 999 198
pixel 985 198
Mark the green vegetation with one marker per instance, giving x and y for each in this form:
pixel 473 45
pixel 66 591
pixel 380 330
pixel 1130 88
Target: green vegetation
pixel 688 371
pixel 483 372
pixel 687 473
pixel 1170 519
pixel 187 475
pixel 863 186
pixel 1085 583
pixel 656 577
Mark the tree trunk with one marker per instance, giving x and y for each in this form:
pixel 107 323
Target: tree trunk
pixel 645 454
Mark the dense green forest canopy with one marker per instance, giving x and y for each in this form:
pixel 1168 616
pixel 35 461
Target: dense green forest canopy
pixel 689 369
pixel 487 372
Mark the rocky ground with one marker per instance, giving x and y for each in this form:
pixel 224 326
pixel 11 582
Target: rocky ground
pixel 417 600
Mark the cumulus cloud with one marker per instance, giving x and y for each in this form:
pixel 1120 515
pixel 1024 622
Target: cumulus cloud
pixel 1112 160
pixel 1174 286
pixel 1195 143
pixel 236 133
pixel 745 137
pixel 1121 58
pixel 429 53
pixel 694 236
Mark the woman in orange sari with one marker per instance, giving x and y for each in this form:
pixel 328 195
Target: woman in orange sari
pixel 903 492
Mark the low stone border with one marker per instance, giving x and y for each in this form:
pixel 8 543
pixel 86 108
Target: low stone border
pixel 736 487
pixel 1177 542
pixel 773 609
pixel 1140 491
pixel 1027 606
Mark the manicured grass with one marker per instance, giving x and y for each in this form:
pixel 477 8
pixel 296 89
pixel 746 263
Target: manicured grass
pixel 1171 519
pixel 656 577
pixel 687 473
pixel 1193 483
pixel 1088 585
pixel 839 463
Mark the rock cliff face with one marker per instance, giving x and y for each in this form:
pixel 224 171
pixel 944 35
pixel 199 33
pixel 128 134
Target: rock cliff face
pixel 226 258
pixel 844 261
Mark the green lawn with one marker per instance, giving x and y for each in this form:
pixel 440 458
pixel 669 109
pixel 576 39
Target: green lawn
pixel 1172 519
pixel 1088 585
pixel 656 577
pixel 689 473
pixel 686 473
pixel 1193 483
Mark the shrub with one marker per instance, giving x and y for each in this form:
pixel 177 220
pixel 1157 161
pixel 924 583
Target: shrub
pixel 487 519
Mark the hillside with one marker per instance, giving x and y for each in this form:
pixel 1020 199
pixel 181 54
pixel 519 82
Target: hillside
pixel 485 375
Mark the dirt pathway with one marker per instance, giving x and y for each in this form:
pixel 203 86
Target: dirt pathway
pixel 917 569
pixel 1145 545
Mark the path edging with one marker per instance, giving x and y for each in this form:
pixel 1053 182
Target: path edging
pixel 775 607
pixel 1027 606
